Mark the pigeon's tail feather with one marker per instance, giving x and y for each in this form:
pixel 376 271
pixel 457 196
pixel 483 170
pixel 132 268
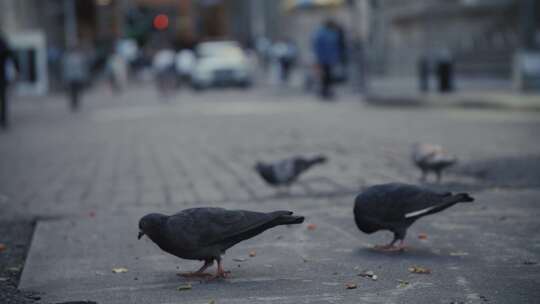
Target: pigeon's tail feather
pixel 319 159
pixel 286 218
pixel 464 197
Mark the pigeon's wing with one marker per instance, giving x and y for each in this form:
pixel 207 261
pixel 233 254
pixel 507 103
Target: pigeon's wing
pixel 182 228
pixel 411 201
pixel 284 170
pixel 207 226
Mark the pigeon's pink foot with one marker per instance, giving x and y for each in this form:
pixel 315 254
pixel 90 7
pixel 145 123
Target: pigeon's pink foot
pixel 390 247
pixel 220 273
pixel 393 249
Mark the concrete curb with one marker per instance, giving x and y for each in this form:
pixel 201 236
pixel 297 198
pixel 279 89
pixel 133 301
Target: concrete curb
pixel 493 101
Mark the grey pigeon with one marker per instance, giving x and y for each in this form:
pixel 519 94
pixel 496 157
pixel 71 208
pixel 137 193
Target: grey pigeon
pixel 287 171
pixel 206 233
pixel 431 158
pixel 396 207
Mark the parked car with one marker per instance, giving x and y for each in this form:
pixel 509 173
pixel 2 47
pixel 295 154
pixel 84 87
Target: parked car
pixel 220 63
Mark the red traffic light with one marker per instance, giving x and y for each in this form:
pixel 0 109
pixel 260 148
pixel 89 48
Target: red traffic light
pixel 161 22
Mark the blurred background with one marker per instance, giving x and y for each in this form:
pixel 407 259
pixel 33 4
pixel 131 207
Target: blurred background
pixel 385 45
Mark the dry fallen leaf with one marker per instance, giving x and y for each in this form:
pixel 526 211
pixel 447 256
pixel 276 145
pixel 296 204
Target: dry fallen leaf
pixel 419 270
pixel 402 283
pixel 350 286
pixel 369 274
pixel 119 270
pixel 3 247
pixel 184 287
pixel 311 227
pixel 422 236
pixel 252 253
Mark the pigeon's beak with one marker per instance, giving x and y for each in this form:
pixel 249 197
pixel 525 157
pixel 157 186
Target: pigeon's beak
pixel 140 235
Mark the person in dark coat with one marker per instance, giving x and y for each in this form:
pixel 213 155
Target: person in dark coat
pixel 326 46
pixel 6 55
pixel 76 74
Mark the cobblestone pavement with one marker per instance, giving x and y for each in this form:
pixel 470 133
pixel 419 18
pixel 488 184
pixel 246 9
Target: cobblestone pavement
pixel 89 176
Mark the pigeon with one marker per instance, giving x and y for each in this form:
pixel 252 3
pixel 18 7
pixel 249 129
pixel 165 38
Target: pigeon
pixel 206 233
pixel 397 206
pixel 287 171
pixel 429 157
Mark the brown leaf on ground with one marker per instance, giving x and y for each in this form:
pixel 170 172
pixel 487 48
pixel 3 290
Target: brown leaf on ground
pixel 252 253
pixel 311 227
pixel 422 236
pixel 419 270
pixel 3 247
pixel 402 283
pixel 187 286
pixel 119 270
pixel 350 286
pixel 369 274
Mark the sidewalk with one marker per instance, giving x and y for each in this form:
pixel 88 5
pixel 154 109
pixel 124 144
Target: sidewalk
pixel 89 176
pixel 470 93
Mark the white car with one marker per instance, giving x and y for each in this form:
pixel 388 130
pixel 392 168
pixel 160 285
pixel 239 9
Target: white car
pixel 220 63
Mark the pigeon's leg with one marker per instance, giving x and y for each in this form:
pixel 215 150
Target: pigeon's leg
pixel 398 235
pixel 220 273
pixel 387 246
pixel 423 176
pixel 401 245
pixel 200 272
pixel 439 175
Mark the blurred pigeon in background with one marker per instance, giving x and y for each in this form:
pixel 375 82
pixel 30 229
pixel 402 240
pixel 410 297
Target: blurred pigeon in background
pixel 429 157
pixel 206 233
pixel 287 171
pixel 397 206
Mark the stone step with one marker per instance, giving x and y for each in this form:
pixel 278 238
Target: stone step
pixel 72 260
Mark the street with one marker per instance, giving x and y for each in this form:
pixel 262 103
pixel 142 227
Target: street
pixel 88 177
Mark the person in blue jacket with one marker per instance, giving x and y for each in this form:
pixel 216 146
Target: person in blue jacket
pixel 327 49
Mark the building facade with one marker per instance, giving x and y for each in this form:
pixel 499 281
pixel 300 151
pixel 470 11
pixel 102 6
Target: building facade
pixel 481 36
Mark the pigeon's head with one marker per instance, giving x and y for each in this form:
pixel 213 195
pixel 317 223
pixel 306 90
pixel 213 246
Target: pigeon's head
pixel 259 166
pixel 150 224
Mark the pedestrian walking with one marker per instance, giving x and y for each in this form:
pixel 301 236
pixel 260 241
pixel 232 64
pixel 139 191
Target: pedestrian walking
pixel 8 68
pixel 75 75
pixel 327 52
pixel 163 65
pixel 285 53
pixel 185 61
pixel 117 70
